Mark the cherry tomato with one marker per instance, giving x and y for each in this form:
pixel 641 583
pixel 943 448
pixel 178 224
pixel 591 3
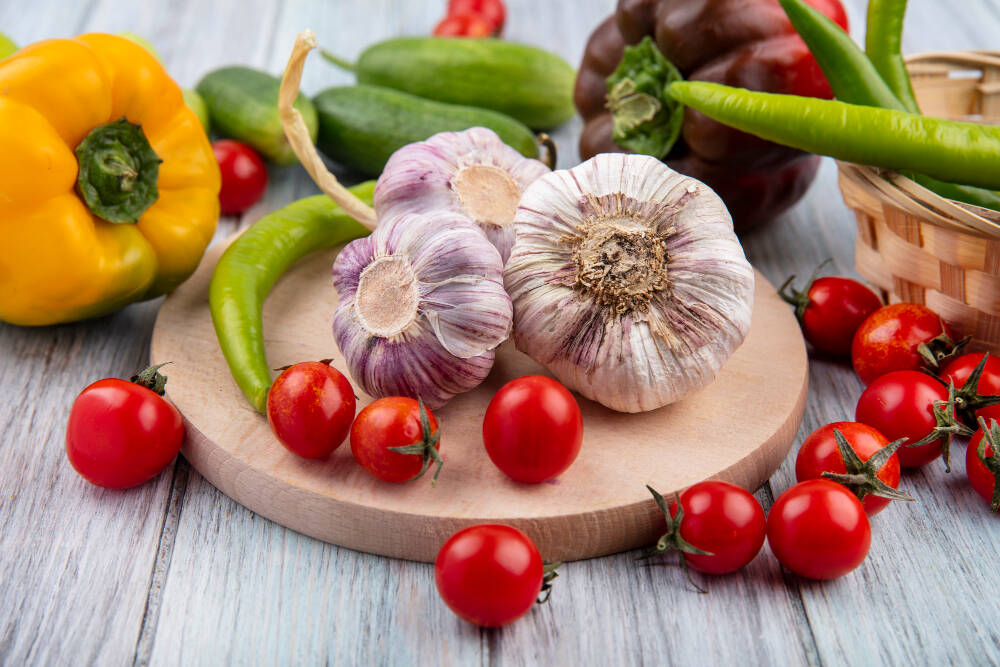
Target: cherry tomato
pixel 819 453
pixel 533 429
pixel 724 520
pixel 244 176
pixel 901 405
pixel 390 423
pixel 888 340
pixel 958 371
pixel 121 434
pixel 830 311
pixel 492 12
pixel 818 529
pixel 463 25
pixel 982 479
pixel 489 574
pixel 310 409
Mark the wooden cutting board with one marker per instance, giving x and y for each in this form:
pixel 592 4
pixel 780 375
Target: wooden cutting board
pixel 738 429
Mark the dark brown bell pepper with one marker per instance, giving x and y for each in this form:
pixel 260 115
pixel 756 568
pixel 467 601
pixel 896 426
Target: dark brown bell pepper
pixel 744 43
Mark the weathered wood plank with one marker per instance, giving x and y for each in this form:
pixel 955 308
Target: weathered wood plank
pixel 76 560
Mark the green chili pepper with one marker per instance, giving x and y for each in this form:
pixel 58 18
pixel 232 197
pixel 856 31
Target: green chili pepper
pixel 949 150
pixel 851 76
pixel 248 269
pixel 855 79
pixel 883 40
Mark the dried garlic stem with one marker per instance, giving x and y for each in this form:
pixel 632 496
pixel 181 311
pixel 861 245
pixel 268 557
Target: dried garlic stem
pixel 298 135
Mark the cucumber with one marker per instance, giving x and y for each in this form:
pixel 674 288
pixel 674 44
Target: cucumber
pixel 143 42
pixel 194 102
pixel 361 126
pixel 7 46
pixel 243 105
pixel 526 83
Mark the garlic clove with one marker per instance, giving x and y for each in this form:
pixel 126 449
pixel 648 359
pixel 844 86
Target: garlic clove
pixel 628 282
pixel 472 173
pixel 421 307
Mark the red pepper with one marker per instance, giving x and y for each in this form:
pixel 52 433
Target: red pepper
pixel 744 43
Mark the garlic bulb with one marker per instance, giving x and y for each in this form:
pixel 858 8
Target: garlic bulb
pixel 628 282
pixel 422 307
pixel 471 172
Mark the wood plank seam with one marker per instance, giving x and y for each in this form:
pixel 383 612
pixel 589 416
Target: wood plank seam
pixel 161 563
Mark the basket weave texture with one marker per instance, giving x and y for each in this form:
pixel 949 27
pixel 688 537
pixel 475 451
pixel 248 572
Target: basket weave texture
pixel 917 246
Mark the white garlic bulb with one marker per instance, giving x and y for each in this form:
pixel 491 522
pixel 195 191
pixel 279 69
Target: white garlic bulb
pixel 627 280
pixel 471 172
pixel 421 307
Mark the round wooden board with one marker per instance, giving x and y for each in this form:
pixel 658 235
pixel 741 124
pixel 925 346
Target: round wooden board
pixel 738 429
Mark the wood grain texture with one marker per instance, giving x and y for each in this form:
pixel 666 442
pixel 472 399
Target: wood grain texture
pixel 584 513
pixel 224 585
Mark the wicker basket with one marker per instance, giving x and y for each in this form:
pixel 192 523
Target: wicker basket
pixel 916 245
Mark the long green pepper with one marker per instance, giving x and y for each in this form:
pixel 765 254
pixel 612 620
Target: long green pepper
pixel 854 78
pixel 948 150
pixel 248 269
pixel 851 76
pixel 883 45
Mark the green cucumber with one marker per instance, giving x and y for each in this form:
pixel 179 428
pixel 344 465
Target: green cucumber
pixel 526 83
pixel 7 46
pixel 361 126
pixel 243 105
pixel 143 42
pixel 194 102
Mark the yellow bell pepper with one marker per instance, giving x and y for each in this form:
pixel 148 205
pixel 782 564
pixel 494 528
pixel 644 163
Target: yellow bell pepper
pixel 108 185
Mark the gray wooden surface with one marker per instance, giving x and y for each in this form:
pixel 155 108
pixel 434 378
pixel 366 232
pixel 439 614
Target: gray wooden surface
pixel 175 572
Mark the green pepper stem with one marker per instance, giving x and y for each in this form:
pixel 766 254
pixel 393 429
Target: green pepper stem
pixel 118 170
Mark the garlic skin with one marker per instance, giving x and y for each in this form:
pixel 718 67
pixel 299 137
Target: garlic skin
pixel 421 307
pixel 628 282
pixel 472 173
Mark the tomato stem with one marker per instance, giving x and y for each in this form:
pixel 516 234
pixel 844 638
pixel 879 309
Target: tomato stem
pixel 426 446
pixel 151 378
pixel 968 399
pixel 862 476
pixel 672 540
pixel 549 574
pixel 800 299
pixel 941 349
pixel 991 435
pixel 947 426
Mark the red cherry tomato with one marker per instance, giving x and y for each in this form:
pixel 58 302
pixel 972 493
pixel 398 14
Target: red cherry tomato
pixel 830 311
pixel 888 340
pixel 959 369
pixel 489 575
pixel 244 176
pixel 819 453
pixel 121 434
pixel 492 12
pixel 818 529
pixel 724 520
pixel 310 409
pixel 982 479
pixel 832 9
pixel 463 25
pixel 533 429
pixel 390 422
pixel 901 405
